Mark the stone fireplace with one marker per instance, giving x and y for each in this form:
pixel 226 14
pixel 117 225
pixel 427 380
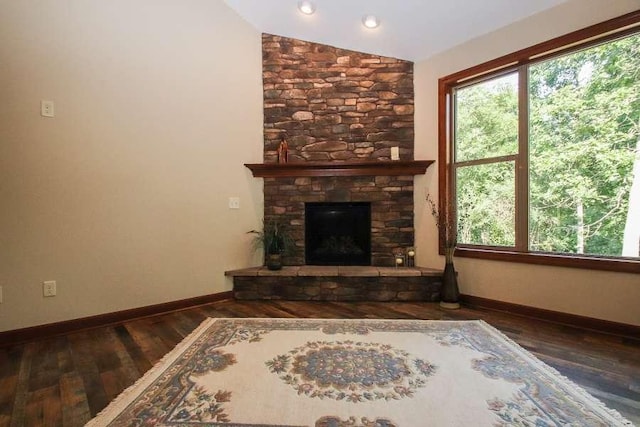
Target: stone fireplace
pixel 340 112
pixel 390 198
pixel 334 105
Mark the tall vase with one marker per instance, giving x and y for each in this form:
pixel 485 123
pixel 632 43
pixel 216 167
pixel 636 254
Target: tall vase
pixel 449 293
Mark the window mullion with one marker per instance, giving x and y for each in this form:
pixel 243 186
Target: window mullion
pixel 522 162
pixel 488 160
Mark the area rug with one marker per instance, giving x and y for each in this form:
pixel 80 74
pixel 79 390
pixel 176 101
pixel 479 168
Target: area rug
pixel 352 373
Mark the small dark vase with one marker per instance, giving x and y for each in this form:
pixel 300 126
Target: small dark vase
pixel 449 294
pixel 274 261
pixel 274 253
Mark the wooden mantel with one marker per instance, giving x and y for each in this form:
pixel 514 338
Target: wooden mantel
pixel 358 168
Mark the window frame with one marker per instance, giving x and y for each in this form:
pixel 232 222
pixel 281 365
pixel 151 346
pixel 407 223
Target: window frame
pixel 519 61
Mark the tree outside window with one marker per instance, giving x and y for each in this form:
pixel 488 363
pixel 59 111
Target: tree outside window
pixel 546 154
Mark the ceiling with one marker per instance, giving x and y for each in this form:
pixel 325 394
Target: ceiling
pixel 409 29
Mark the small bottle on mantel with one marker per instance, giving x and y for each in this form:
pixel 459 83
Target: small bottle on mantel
pixel 283 151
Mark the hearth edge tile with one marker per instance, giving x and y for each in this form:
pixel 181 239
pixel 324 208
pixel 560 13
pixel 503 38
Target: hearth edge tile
pixel 331 271
pixel 425 271
pixel 358 271
pixel 289 271
pixel 399 272
pixel 244 272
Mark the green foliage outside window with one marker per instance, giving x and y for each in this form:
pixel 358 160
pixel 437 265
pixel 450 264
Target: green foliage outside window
pixel 583 140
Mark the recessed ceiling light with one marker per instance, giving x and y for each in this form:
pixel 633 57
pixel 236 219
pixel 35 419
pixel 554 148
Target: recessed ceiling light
pixel 307 7
pixel 370 21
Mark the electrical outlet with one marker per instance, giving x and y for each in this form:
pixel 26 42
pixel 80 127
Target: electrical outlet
pixel 49 288
pixel 234 202
pixel 46 108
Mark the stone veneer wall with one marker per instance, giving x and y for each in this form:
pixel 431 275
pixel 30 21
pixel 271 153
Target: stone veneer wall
pixel 335 104
pixel 391 200
pixel 337 288
pixel 338 105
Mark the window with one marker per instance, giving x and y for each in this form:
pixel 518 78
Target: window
pixel 543 152
pixel 486 151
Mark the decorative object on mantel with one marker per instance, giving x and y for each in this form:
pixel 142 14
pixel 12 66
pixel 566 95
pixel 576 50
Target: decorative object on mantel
pixel 275 240
pixel 399 258
pixel 344 372
pixel 411 257
pixel 283 151
pixel 450 294
pixel 351 168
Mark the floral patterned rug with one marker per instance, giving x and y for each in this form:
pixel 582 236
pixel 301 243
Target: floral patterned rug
pixel 352 373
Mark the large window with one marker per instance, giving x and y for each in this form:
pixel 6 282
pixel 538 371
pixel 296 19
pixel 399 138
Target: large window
pixel 544 152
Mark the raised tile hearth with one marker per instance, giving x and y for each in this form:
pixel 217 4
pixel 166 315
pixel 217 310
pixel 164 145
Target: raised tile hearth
pixel 337 283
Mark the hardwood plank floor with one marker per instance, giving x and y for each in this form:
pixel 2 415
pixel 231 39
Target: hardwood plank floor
pixel 66 380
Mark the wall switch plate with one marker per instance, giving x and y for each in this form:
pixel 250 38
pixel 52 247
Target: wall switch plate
pixel 46 108
pixel 234 202
pixel 0 294
pixel 395 153
pixel 49 288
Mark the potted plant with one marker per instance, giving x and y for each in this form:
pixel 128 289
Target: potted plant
pixel 276 241
pixel 449 294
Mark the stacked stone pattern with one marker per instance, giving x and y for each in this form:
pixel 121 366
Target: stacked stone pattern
pixel 391 199
pixel 337 288
pixel 337 105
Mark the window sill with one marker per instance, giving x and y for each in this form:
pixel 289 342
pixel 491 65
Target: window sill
pixel 620 265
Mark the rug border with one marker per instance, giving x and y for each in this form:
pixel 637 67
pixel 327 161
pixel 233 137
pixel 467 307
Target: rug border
pixel 553 372
pixel 117 405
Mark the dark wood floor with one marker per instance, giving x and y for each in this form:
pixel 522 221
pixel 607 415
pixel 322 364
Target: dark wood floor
pixel 66 380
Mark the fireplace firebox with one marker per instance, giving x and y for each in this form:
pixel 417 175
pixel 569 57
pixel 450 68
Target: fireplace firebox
pixel 338 233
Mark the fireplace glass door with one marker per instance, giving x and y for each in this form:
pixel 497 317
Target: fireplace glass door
pixel 338 233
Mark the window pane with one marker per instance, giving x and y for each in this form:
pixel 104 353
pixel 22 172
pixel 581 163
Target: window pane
pixel 584 138
pixel 486 204
pixel 487 119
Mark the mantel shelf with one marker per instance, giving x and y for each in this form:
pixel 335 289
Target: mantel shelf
pixel 361 168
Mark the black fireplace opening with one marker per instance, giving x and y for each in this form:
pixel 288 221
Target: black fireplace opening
pixel 338 233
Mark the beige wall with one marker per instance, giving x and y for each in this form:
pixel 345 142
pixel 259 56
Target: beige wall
pixel 122 197
pixel 603 295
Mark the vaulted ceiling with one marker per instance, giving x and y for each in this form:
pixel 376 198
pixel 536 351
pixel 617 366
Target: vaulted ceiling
pixel 409 29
